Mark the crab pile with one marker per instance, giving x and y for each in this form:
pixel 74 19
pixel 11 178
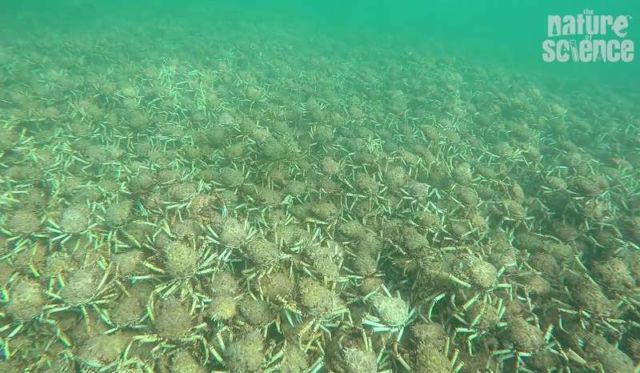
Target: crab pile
pixel 299 207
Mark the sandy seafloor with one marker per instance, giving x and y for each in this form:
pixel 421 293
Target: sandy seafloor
pixel 251 198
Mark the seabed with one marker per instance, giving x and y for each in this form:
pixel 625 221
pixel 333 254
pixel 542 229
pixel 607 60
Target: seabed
pixel 253 201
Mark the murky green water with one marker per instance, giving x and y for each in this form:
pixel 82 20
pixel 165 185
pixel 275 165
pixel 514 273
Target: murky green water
pixel 318 187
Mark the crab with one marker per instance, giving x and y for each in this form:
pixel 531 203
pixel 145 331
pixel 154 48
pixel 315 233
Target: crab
pixel 390 315
pixel 74 296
